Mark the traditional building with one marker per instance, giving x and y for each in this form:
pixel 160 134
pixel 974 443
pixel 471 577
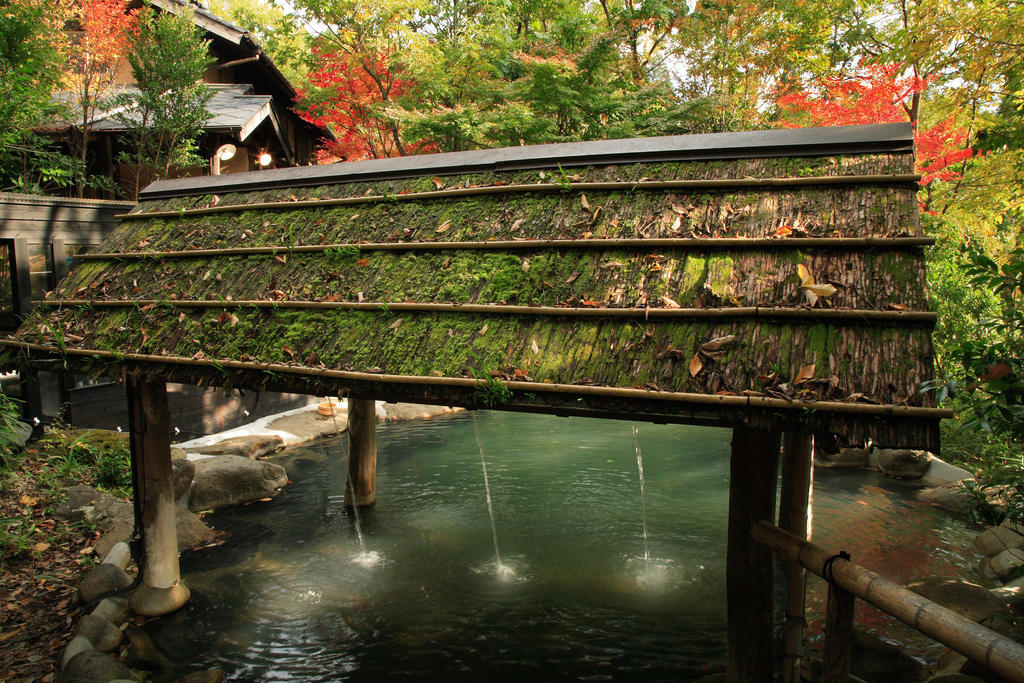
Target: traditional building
pixel 253 123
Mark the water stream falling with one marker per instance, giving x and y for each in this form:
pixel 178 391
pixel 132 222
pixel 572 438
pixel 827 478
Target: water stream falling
pixel 502 571
pixel 364 558
pixel 643 495
pixel 281 599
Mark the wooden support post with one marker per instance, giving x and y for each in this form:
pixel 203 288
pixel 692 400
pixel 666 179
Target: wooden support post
pixel 838 635
pixel 753 475
pixel 161 591
pixel 795 517
pixel 362 452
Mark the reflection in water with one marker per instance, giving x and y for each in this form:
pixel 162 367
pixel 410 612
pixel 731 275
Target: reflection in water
pixel 284 601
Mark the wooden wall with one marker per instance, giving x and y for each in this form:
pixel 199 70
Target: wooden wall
pixel 42 219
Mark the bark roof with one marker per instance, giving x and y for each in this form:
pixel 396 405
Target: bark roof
pixel 668 285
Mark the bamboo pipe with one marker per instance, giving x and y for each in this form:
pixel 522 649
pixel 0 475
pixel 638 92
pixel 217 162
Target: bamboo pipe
pixel 920 317
pixel 710 244
pixel 737 402
pixel 721 184
pixel 984 646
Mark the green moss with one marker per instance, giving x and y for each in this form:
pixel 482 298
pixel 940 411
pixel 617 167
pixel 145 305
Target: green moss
pixel 719 275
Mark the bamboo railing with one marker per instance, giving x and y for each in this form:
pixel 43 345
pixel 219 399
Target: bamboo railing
pixel 847 580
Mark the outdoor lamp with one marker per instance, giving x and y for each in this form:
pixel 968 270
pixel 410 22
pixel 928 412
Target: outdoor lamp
pixel 225 152
pixel 265 159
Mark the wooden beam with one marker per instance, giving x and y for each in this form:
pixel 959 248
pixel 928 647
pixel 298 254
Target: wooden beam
pixel 362 452
pixel 753 476
pixel 795 517
pixel 161 591
pixel 838 635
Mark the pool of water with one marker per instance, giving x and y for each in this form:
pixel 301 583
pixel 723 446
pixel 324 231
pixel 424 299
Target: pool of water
pixel 285 598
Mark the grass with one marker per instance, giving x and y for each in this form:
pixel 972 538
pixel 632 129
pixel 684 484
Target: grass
pixel 33 482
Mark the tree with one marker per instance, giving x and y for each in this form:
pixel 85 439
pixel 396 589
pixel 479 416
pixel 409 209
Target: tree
pixel 165 116
pixel 100 41
pixel 30 56
pixel 881 93
pixel 278 32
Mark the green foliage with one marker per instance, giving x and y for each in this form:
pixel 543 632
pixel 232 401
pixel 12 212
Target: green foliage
pixel 9 428
pixel 165 116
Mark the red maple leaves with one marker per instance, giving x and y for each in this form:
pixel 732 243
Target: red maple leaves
pixel 881 93
pixel 353 93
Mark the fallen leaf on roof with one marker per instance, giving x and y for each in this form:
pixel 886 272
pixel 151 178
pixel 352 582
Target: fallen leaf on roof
pixel 696 365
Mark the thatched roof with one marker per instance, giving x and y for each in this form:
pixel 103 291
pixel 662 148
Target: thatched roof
pixel 667 279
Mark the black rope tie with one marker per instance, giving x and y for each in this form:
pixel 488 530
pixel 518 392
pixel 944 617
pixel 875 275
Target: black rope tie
pixel 826 568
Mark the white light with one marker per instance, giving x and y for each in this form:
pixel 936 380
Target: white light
pixel 225 152
pixel 119 428
pixel 35 421
pixel 177 431
pixel 246 413
pixel 265 159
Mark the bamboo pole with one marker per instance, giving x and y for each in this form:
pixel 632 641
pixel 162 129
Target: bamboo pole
pixel 795 517
pixel 753 472
pixel 856 315
pixel 982 645
pixel 578 390
pixel 617 186
pixel 690 243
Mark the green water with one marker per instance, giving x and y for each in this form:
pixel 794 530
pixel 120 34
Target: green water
pixel 283 599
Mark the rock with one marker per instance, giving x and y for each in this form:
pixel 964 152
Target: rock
pixel 997 539
pixel 210 676
pixel 969 600
pixel 192 532
pixel 254 446
pixel 903 463
pixel 77 646
pixel 78 498
pixel 182 472
pixel 844 458
pixel 119 532
pixel 104 636
pixel 953 497
pixel 876 660
pixel 143 650
pixel 1006 563
pixel 402 412
pixel 941 472
pixel 178 453
pixel 231 479
pixel 101 579
pixel 115 610
pixel 93 667
pixel 118 556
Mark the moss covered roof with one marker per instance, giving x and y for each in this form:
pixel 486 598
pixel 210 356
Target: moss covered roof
pixel 676 289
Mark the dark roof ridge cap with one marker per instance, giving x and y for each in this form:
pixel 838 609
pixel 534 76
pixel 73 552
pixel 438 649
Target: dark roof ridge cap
pixel 896 137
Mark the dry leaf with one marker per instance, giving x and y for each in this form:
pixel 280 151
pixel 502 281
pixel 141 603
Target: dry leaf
pixel 718 343
pixel 363 262
pixel 438 183
pixel 215 200
pixel 669 303
pixel 281 259
pixel 443 227
pixel 526 265
pixel 516 224
pixel 897 307
pixel 783 231
pixel 583 200
pixel 28 500
pixel 804 273
pixel 695 365
pixel 611 265
pixel 40 547
pixel 572 278
pixel 995 371
pixel 394 325
pixel 483 330
pixel 822 290
pixel 534 347
pixel 288 350
pixel 681 210
pixel 806 373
